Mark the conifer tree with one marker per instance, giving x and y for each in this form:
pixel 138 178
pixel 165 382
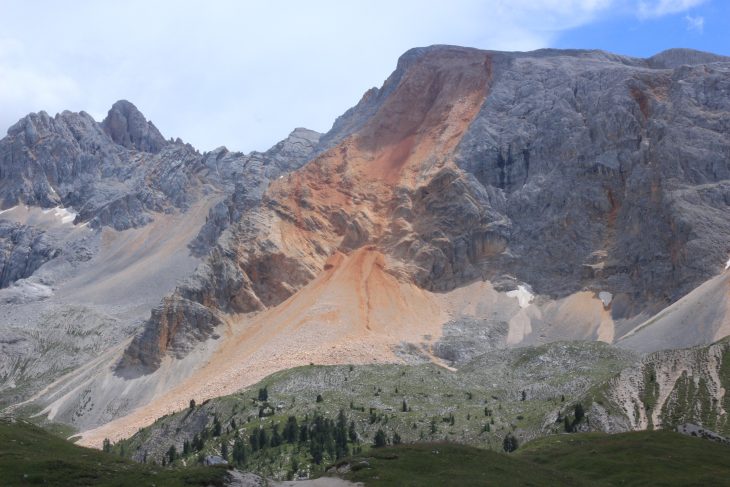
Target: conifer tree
pixel 263 394
pixel 509 444
pixel 239 452
pixel 224 450
pixel 380 439
pixel 172 454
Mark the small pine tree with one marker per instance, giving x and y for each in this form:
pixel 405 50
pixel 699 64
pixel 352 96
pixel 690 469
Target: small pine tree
pixel 263 394
pixel 172 454
pixel 291 430
pixel 192 404
pixel 303 433
pixel 567 426
pixel 254 440
pixel 404 406
pixel 217 427
pixel 263 439
pixel 224 450
pixel 397 439
pixel 276 438
pixel 106 445
pixel 239 452
pixel 524 395
pixel 579 413
pixel 380 439
pixel 319 398
pixel 352 433
pixel 509 444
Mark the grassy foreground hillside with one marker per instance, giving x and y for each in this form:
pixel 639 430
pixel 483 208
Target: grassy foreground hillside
pixel 519 391
pixel 30 455
pixel 587 459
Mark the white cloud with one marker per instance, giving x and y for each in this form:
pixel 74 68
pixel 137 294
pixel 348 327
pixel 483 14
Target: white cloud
pixel 24 88
pixel 696 23
pixel 658 8
pixel 244 74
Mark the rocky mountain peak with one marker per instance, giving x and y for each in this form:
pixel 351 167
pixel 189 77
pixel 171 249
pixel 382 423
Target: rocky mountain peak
pixel 126 125
pixel 674 58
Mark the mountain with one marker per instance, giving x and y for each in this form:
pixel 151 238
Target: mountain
pixel 478 200
pixel 100 222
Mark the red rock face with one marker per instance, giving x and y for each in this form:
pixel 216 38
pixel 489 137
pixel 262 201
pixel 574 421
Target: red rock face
pixel 377 187
pixel 352 194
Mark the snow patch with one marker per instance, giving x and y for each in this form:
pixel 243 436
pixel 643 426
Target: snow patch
pixel 524 295
pixel 727 264
pixel 14 207
pixel 66 215
pixel 605 298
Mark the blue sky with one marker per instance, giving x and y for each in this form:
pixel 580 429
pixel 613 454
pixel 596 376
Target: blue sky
pixel 705 27
pixel 244 74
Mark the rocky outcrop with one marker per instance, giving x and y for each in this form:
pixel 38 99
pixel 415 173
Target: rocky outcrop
pixel 23 249
pixel 128 127
pixel 247 177
pixel 180 325
pixel 667 390
pixel 72 161
pixel 675 58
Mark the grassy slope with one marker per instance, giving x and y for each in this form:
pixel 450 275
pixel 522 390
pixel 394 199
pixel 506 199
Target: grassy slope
pixel 494 381
pixel 636 458
pixel 592 459
pixel 31 456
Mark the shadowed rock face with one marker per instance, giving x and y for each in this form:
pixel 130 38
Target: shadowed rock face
pixel 23 249
pixel 614 176
pixel 128 127
pixel 566 169
pixel 71 161
pixel 182 324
